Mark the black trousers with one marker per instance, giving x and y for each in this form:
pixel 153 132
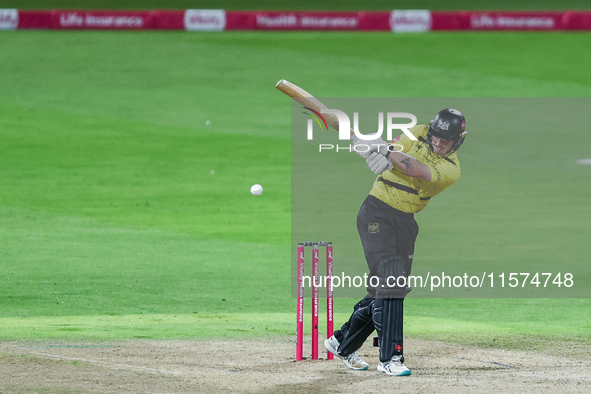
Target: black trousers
pixel 385 232
pixel 388 237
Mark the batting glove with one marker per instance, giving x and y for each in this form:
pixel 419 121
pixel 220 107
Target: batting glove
pixel 365 148
pixel 378 163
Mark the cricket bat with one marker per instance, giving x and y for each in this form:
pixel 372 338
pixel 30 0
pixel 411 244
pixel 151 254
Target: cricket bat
pixel 307 100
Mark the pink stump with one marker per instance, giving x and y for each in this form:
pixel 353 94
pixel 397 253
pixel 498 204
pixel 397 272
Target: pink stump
pixel 300 306
pixel 329 296
pixel 315 282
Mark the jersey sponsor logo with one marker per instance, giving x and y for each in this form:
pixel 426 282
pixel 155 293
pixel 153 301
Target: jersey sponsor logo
pixel 373 228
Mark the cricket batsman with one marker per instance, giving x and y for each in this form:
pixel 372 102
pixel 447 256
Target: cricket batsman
pixel 406 181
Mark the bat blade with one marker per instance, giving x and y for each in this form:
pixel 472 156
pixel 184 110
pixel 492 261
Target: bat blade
pixel 307 100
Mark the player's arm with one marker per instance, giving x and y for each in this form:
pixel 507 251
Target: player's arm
pixel 409 165
pixel 394 152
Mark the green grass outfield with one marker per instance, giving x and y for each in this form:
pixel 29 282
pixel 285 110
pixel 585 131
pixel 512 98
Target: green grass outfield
pixel 122 215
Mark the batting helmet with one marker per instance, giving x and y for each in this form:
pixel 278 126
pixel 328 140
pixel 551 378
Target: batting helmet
pixel 449 124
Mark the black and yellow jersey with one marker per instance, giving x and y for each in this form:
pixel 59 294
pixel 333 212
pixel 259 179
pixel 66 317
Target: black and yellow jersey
pixel 408 194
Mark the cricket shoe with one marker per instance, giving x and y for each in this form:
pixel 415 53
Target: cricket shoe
pixel 352 361
pixel 394 367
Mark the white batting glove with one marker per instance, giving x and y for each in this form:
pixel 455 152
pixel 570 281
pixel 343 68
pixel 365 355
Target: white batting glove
pixel 378 163
pixel 364 148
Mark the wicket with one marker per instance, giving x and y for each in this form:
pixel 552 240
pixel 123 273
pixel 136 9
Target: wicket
pixel 315 284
